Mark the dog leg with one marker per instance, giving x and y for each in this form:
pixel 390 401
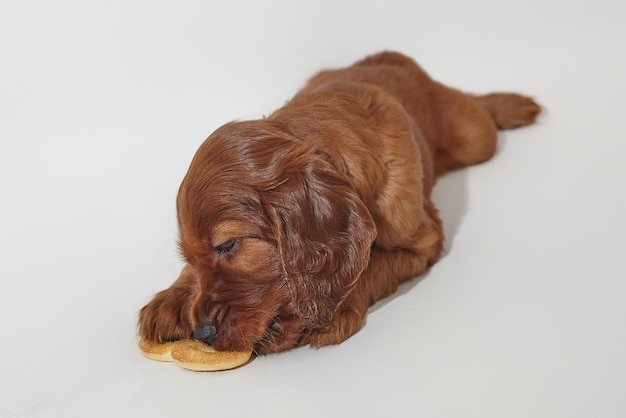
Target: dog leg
pixel 509 110
pixel 388 267
pixel 471 124
pixel 168 316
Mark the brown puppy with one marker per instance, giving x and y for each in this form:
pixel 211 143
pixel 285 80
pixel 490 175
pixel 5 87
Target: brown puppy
pixel 293 225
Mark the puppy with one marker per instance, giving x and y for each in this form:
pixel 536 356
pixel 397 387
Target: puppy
pixel 292 226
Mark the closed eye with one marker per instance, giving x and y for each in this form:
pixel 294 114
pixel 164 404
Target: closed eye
pixel 226 247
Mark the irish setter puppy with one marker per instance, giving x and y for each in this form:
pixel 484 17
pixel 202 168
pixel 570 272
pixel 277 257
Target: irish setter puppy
pixel 292 226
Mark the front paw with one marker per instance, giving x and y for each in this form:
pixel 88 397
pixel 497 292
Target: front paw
pixel 345 323
pixel 165 318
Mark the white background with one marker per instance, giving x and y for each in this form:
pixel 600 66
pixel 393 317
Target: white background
pixel 103 104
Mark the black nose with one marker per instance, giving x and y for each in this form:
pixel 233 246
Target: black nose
pixel 205 333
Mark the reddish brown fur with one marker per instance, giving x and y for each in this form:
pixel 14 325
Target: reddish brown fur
pixel 328 203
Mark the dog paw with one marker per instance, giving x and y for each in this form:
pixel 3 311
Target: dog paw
pixel 510 110
pixel 164 319
pixel 345 323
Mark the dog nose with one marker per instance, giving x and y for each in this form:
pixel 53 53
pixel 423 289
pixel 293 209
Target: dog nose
pixel 205 333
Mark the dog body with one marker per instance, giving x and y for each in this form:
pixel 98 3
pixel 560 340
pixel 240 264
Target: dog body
pixel 293 225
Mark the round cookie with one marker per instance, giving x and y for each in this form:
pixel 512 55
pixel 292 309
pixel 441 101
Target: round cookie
pixel 200 357
pixel 194 355
pixel 157 351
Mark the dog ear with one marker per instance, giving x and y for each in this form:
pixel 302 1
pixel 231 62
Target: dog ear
pixel 324 233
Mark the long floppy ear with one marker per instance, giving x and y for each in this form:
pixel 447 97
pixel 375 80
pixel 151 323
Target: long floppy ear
pixel 324 233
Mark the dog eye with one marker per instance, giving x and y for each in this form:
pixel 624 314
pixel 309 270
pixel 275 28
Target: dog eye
pixel 226 247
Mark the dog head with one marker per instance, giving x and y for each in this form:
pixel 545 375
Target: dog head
pixel 276 234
